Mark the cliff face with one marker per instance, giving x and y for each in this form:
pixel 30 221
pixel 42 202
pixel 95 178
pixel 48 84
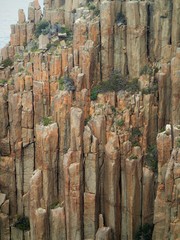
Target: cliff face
pixel 77 165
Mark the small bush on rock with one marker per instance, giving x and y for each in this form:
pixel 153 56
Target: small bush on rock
pixel 7 62
pixel 115 83
pixel 144 232
pixel 66 83
pixel 121 19
pixel 3 81
pixel 136 133
pixel 54 205
pixel 120 123
pixel 151 158
pixel 46 121
pixel 178 143
pixel 146 70
pixel 43 27
pixel 22 223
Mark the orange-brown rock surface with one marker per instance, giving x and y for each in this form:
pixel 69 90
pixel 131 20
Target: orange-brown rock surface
pixel 89 122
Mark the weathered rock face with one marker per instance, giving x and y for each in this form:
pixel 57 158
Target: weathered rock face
pixel 166 214
pixel 81 167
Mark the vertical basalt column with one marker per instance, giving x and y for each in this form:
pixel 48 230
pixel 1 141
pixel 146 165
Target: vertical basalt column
pixel 91 195
pixel 175 25
pixel 46 160
pixel 120 51
pixel 164 96
pixel 166 210
pixel 112 186
pixel 136 13
pixel 97 126
pixel 41 220
pixel 175 83
pixel 15 120
pixel 35 200
pixel 61 106
pixel 57 224
pixel 162 23
pixel 72 199
pixel 107 13
pixel 133 195
pixel 4 224
pixel 87 63
pixel 3 113
pixel 148 196
pixel 73 177
pixel 68 8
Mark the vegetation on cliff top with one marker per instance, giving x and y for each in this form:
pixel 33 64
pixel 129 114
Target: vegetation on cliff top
pixel 22 223
pixel 115 84
pixel 7 62
pixel 151 158
pixel 144 232
pixel 134 138
pixel 66 83
pixel 46 121
pixel 43 27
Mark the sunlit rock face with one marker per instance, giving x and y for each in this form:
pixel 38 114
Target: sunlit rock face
pixel 90 122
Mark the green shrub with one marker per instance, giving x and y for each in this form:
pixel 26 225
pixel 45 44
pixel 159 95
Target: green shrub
pixel 87 120
pixel 133 157
pixel 178 143
pixel 162 129
pixel 20 70
pixel 120 18
pixel 113 109
pixel 136 132
pixel 150 90
pixel 43 27
pixel 61 83
pixel 144 232
pixel 46 121
pixel 49 45
pixel 3 81
pixel 69 84
pixel 91 6
pixel 68 32
pixel 132 86
pixel 134 138
pixel 94 93
pixel 35 48
pixel 96 12
pixel 73 11
pixel 146 90
pixel 18 56
pixel 54 205
pixel 120 123
pixel 66 83
pixel 7 62
pixel 22 223
pixel 146 70
pixel 115 83
pixel 151 158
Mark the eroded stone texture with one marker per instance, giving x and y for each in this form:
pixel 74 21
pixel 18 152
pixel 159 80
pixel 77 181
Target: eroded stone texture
pixel 166 213
pixel 175 77
pixel 89 162
pixel 136 36
pixel 107 22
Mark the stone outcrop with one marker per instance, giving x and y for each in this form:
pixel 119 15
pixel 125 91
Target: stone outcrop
pixel 166 214
pixel 77 160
